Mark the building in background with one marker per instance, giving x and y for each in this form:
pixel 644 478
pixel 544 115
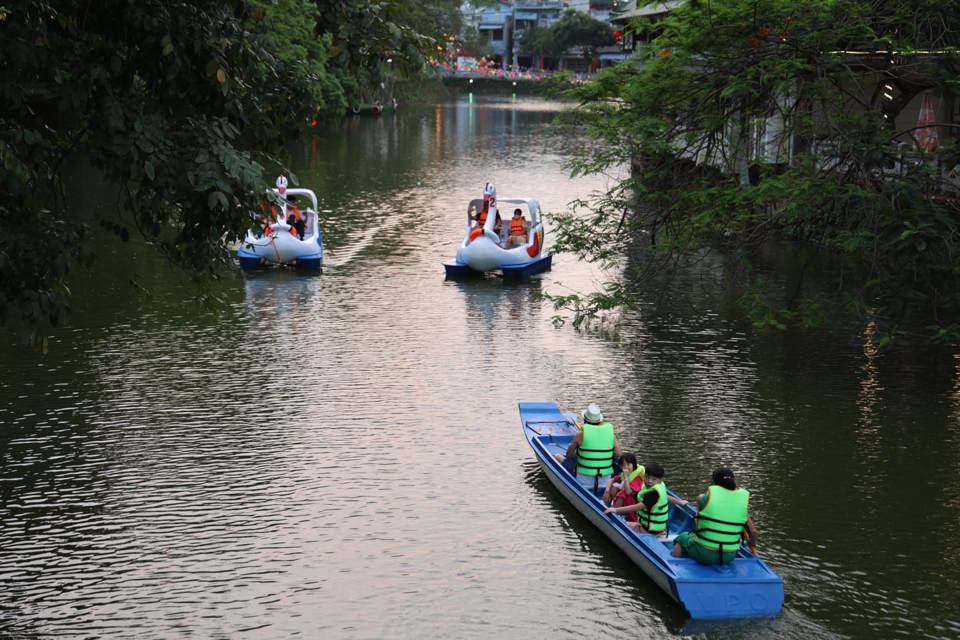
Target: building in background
pixel 624 19
pixel 528 14
pixel 495 32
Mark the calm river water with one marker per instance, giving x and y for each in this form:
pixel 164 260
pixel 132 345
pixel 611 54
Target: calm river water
pixel 341 456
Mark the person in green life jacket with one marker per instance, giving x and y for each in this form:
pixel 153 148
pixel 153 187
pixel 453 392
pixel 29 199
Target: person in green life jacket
pixel 653 504
pixel 721 520
pixel 595 447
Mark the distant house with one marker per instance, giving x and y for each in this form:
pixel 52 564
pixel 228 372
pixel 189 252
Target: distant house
pixel 494 30
pixel 528 14
pixel 598 9
pixel 624 21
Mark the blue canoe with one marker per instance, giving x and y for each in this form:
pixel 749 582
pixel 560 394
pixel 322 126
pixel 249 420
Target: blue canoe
pixel 744 588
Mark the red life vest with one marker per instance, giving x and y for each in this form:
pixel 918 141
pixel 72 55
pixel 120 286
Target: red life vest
pixel 627 500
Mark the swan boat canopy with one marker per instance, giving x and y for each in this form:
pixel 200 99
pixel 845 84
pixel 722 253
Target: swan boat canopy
pixel 276 241
pixel 486 248
pixel 744 588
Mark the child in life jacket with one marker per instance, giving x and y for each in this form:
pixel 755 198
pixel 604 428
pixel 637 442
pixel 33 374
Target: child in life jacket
pixel 623 494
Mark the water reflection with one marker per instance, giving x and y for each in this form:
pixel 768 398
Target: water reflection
pixel 279 294
pixel 868 404
pixel 514 306
pixel 955 395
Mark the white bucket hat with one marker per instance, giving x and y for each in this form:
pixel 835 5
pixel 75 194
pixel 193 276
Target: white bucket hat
pixel 592 414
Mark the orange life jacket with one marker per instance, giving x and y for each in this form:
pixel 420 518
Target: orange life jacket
pixel 268 215
pixel 297 217
pixel 482 217
pixel 516 226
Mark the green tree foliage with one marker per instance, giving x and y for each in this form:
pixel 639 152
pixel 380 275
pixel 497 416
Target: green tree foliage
pixel 540 41
pixel 171 101
pixel 573 29
pixel 177 103
pixel 579 29
pixel 753 120
pixel 365 35
pixel 293 26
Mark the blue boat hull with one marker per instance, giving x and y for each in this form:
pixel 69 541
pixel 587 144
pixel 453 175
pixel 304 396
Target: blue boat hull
pixel 456 270
pixel 521 271
pixel 744 588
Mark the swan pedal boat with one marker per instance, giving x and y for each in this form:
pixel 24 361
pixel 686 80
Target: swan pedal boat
pixel 486 252
pixel 280 247
pixel 743 588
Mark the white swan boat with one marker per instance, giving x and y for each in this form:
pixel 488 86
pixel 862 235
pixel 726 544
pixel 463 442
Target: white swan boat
pixel 274 243
pixel 485 249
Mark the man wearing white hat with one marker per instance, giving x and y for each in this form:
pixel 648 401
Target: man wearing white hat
pixel 595 446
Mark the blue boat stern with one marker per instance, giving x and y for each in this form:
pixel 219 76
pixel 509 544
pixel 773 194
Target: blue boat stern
pixel 713 600
pixel 521 271
pixel 457 270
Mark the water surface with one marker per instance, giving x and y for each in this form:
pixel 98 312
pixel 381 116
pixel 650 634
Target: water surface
pixel 341 456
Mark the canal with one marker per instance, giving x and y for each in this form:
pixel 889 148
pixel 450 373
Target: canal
pixel 340 455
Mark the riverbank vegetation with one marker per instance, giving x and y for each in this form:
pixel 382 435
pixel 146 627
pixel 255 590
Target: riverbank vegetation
pixel 749 122
pixel 181 106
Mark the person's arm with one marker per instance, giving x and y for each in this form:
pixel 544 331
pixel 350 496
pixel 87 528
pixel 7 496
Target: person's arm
pixel 616 448
pixel 649 500
pixel 612 484
pixel 751 533
pixel 679 501
pixel 628 509
pixel 575 444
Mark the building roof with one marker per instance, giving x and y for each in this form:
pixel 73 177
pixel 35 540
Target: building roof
pixel 647 11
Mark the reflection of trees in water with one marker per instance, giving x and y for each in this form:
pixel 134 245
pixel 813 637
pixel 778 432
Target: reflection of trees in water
pixel 500 304
pixel 500 312
pixel 955 395
pixel 869 403
pixel 741 286
pixel 279 300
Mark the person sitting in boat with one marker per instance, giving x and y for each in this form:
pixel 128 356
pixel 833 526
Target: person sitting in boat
pixel 595 446
pixel 294 218
pixel 518 229
pixel 721 520
pixel 482 216
pixel 481 220
pixel 269 213
pixel 652 504
pixel 622 493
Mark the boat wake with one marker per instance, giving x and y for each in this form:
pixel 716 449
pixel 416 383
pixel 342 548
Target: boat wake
pixel 342 256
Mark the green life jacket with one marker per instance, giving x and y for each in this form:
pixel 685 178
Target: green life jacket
pixel 654 520
pixel 595 457
pixel 722 519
